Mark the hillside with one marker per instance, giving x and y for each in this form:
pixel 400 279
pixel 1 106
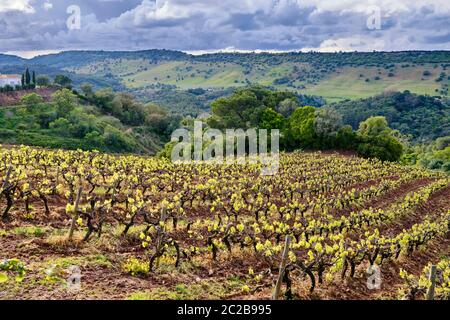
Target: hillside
pixel 72 121
pixel 423 118
pixel 187 85
pixel 334 76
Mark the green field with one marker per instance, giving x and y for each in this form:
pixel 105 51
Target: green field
pixel 348 84
pixel 333 84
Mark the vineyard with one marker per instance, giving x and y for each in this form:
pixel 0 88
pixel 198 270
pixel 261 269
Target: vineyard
pixel 145 228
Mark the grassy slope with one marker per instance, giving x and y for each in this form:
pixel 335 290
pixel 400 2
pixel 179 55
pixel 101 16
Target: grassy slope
pixel 20 126
pixel 348 84
pixel 345 83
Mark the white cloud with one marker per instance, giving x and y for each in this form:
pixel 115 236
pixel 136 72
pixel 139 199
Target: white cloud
pixel 47 5
pixel 32 54
pixel 16 5
pixel 356 43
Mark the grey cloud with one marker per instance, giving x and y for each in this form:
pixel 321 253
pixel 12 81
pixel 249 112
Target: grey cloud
pixel 217 24
pixel 438 38
pixel 243 21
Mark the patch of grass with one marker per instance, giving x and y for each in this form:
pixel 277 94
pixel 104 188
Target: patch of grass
pixel 82 261
pixel 347 84
pixel 62 240
pixel 203 290
pixel 29 231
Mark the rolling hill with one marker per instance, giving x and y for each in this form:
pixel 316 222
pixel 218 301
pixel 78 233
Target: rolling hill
pixel 334 76
pixel 421 118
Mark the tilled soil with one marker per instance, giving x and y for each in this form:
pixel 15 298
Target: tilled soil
pixel 103 277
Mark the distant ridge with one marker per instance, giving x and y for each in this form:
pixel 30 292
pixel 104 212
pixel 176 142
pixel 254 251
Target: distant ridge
pixel 333 76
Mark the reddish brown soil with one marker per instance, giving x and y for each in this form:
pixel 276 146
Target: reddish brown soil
pixel 439 202
pixel 13 98
pixel 111 282
pixel 396 194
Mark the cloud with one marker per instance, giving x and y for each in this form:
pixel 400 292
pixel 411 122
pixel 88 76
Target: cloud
pixel 16 5
pixel 355 43
pixel 324 25
pixel 47 5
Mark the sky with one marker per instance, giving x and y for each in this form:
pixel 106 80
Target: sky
pixel 32 27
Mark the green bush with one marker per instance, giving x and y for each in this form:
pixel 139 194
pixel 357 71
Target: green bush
pixel 116 141
pixel 65 102
pixel 31 100
pixel 385 148
pixel 6 133
pixel 346 138
pixel 301 127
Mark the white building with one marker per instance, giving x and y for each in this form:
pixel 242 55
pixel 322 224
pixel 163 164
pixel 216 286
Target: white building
pixel 11 79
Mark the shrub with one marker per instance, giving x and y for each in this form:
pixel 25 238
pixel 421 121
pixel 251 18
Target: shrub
pixel 43 81
pixel 386 148
pixel 61 126
pixel 136 267
pixel 446 166
pixel 346 138
pixel 31 100
pixel 117 141
pixel 435 164
pixel 65 102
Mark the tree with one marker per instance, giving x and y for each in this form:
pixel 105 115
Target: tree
pixel 244 108
pixel 42 81
pixel 115 140
pixel 346 138
pixel 287 107
pixel 94 138
pixel 63 81
pixel 327 122
pixel 156 118
pixel 378 140
pixel 87 89
pixel 270 119
pixel 374 126
pixel 419 116
pixel 103 99
pixel 326 125
pixel 385 148
pixel 128 110
pixel 443 154
pixel 62 126
pixel 34 78
pixel 27 77
pixel 241 110
pixel 302 127
pixel 30 100
pixel 65 102
pixel 442 143
pixel 23 80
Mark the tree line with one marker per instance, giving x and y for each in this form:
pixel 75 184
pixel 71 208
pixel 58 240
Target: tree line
pixel 303 128
pixel 30 80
